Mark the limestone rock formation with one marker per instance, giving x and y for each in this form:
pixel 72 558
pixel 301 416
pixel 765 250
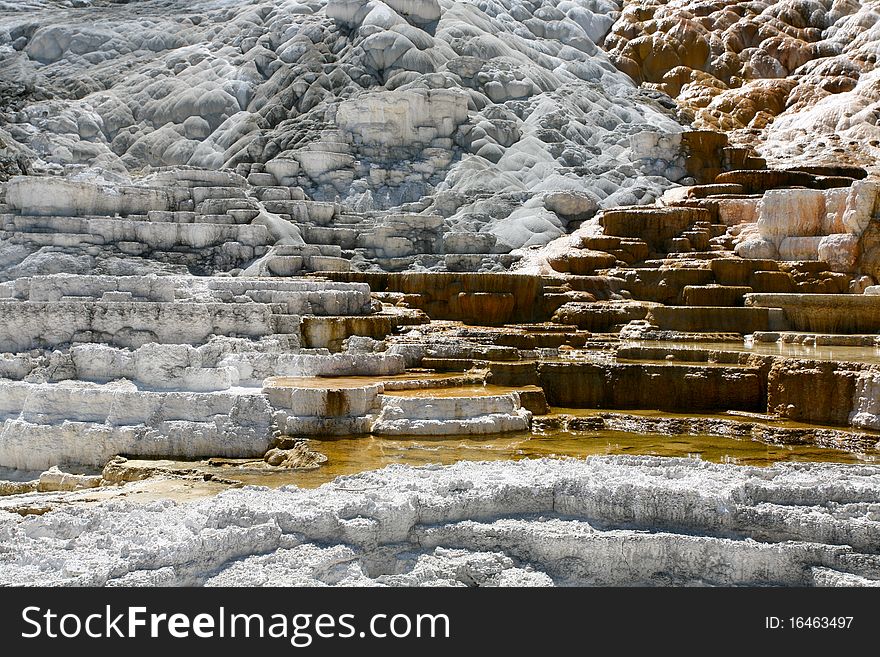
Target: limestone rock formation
pixel 531 523
pixel 800 75
pixel 465 111
pixel 244 234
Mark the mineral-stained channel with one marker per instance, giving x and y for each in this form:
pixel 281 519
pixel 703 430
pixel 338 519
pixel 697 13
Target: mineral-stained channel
pixel 505 293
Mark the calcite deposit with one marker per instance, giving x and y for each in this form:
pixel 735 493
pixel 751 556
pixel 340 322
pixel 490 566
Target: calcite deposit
pixel 605 521
pixel 295 241
pixel 800 75
pixel 473 113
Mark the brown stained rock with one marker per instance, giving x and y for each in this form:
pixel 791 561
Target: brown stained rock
pixel 534 401
pixel 600 242
pixel 669 387
pixel 582 262
pixel 738 271
pixel 752 105
pixel 632 251
pixel 653 225
pixel 772 281
pixel 437 293
pixel 753 426
pixel 838 282
pixel 545 340
pixel 601 316
pixel 759 181
pixel 706 319
pixel 814 391
pixel 486 308
pixel 663 285
pixel 739 158
pixel 513 374
pixel 824 313
pixel 703 191
pixel 601 287
pixel 330 332
pixel 698 239
pixel 703 151
pixel 714 295
pixel 834 170
pixel 298 457
pixel 832 182
pixel 677 245
pixel 804 267
pixel 710 204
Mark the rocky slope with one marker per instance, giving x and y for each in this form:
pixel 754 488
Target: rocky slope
pixel 605 521
pixel 797 78
pixel 473 111
pixel 170 171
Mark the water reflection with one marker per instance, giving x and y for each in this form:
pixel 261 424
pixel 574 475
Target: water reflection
pixel 349 455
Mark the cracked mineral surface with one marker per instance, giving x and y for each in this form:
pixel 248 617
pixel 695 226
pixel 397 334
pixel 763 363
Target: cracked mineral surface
pixel 423 292
pixel 604 521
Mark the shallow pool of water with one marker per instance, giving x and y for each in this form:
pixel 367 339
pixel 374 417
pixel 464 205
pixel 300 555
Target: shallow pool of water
pixel 792 350
pixel 486 390
pixel 351 455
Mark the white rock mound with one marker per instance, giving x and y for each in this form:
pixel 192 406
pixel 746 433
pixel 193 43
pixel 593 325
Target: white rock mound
pixel 464 110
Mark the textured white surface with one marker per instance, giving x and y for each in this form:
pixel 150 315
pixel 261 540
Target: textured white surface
pixel 606 520
pixel 465 109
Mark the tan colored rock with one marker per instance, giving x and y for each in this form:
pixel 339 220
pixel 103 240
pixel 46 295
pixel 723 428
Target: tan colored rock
pixel 297 457
pixel 54 479
pixel 757 248
pixel 799 248
pixel 790 213
pixel 733 211
pixel 840 251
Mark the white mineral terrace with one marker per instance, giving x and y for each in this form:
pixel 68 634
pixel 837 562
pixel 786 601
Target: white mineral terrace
pixel 604 521
pixel 392 292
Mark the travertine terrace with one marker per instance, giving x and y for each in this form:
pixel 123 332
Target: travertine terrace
pixel 241 241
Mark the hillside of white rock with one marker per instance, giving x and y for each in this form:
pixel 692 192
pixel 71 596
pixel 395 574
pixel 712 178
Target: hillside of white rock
pixel 473 111
pixel 471 215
